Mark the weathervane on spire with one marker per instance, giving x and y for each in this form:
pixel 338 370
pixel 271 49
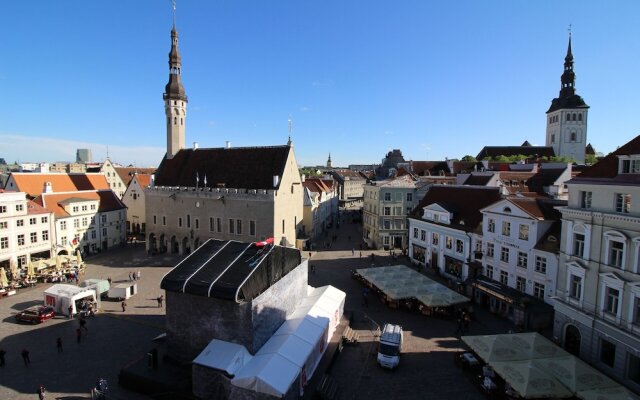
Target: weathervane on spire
pixel 173 6
pixel 290 122
pixel 569 31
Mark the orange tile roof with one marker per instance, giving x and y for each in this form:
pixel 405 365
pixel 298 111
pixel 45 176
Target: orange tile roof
pixel 35 208
pixel 127 173
pixel 53 201
pixel 144 180
pixel 33 183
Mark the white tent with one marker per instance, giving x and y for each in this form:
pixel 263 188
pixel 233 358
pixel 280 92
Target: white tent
pixel 60 296
pixel 295 349
pixel 224 356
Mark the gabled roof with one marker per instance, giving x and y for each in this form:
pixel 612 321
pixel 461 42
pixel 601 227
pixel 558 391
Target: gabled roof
pixel 401 181
pixel 530 151
pixel 429 167
pixel 539 208
pixel 127 173
pixel 550 241
pixel 35 208
pixel 478 179
pixel 144 180
pixel 315 185
pixel 466 201
pixel 606 170
pixel 54 202
pixel 32 183
pixel 237 167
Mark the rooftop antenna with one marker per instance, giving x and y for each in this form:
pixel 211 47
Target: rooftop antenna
pixel 290 122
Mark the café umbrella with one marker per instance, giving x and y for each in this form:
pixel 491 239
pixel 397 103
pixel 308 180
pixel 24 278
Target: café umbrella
pixel 4 282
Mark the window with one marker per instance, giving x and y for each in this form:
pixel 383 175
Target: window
pixel 103 218
pixel 21 240
pixel 523 232
pixel 76 223
pixel 385 240
pixel 612 300
pixel 63 225
pixel 506 228
pixel 196 221
pixel 93 207
pixel 580 117
pixel 104 232
pixel 522 259
pixel 155 219
pixel 211 224
pixel 623 203
pixel 521 284
pixel 85 221
pixel 553 138
pixel 490 250
pixel 585 199
pixel 491 226
pixel 616 253
pixel 489 272
pixel 423 235
pixel 34 237
pixel 164 220
pixel 238 227
pixel 93 234
pixel 409 197
pixel 607 352
pixel 504 254
pixel 633 368
pixel 3 209
pixel 84 208
pixel 19 207
pixel 541 264
pixel 459 246
pixel 188 221
pixel 4 242
pixel 19 222
pixel 575 287
pixel 232 225
pixel 252 228
pixel 578 245
pixel 33 221
pixel 415 233
pixel 4 225
pixel 572 137
pixel 448 240
pixel 435 239
pixel 180 222
pixel 479 246
pixel 504 277
pixel 538 290
pixel 387 197
pixel 63 240
pixel 630 166
pixel 387 211
pixel 75 209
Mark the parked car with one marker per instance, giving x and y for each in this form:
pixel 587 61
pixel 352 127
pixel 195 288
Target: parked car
pixel 36 314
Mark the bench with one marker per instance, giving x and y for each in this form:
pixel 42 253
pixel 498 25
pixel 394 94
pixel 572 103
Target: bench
pixel 349 336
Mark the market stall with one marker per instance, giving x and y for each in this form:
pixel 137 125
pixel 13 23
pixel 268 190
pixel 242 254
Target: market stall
pixel 61 296
pixel 122 290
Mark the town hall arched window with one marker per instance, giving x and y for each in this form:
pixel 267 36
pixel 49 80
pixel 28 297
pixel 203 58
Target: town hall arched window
pixel 573 136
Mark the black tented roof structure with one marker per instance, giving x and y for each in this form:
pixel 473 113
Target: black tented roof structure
pixel 231 270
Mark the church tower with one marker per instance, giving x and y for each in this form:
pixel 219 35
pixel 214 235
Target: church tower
pixel 175 99
pixel 329 162
pixel 567 116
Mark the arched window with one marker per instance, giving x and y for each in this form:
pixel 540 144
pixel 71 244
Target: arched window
pixel 181 121
pixel 574 116
pixel 573 136
pixel 579 117
pixel 175 120
pixel 568 117
pixel 506 209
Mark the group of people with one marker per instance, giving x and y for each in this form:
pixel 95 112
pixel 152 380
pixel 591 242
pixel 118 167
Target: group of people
pixel 134 276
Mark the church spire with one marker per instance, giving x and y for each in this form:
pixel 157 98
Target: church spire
pixel 174 89
pixel 568 78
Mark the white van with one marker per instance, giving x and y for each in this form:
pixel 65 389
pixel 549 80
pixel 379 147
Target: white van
pixel 390 346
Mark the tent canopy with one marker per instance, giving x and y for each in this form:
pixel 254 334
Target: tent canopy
pixel 225 356
pixel 537 368
pixel 400 282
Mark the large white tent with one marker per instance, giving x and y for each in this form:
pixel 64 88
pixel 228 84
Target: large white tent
pixel 295 349
pixel 223 356
pixel 60 296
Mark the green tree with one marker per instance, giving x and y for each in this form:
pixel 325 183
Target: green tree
pixel 469 158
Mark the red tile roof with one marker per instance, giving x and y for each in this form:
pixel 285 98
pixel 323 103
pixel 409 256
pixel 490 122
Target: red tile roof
pixel 35 208
pixel 144 180
pixel 127 173
pixel 33 183
pixel 53 201
pixel 606 170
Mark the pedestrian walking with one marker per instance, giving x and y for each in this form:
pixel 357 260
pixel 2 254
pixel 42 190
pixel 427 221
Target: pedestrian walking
pixel 25 356
pixel 78 335
pixel 130 276
pixel 2 354
pixel 59 344
pixel 109 280
pixel 83 324
pixel 124 306
pixel 361 254
pixel 138 275
pixel 353 252
pixel 70 309
pixel 160 299
pixel 41 392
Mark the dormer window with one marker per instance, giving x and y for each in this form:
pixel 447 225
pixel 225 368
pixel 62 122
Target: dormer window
pixel 630 166
pixel 507 209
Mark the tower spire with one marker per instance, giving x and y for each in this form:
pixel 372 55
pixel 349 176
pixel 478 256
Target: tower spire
pixel 290 122
pixel 175 97
pixel 568 78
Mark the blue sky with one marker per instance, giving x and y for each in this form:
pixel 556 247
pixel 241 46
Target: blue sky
pixel 434 79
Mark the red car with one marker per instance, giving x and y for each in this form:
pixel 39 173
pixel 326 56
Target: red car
pixel 36 314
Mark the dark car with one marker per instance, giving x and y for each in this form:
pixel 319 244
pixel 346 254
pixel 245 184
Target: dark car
pixel 36 314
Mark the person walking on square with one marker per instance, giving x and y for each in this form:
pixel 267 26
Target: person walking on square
pixel 25 356
pixel 138 275
pixel 160 299
pixel 70 309
pixel 59 344
pixel 130 276
pixel 2 354
pixel 124 306
pixel 41 392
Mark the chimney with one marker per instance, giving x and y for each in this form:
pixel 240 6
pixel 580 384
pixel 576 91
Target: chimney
pixel 195 145
pixel 302 177
pixel 227 144
pixel 153 181
pixel 47 188
pixel 276 180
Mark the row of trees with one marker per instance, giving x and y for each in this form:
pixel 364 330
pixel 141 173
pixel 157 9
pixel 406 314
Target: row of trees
pixel 590 159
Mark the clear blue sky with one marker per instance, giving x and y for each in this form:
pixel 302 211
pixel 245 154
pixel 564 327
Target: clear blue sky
pixel 435 79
